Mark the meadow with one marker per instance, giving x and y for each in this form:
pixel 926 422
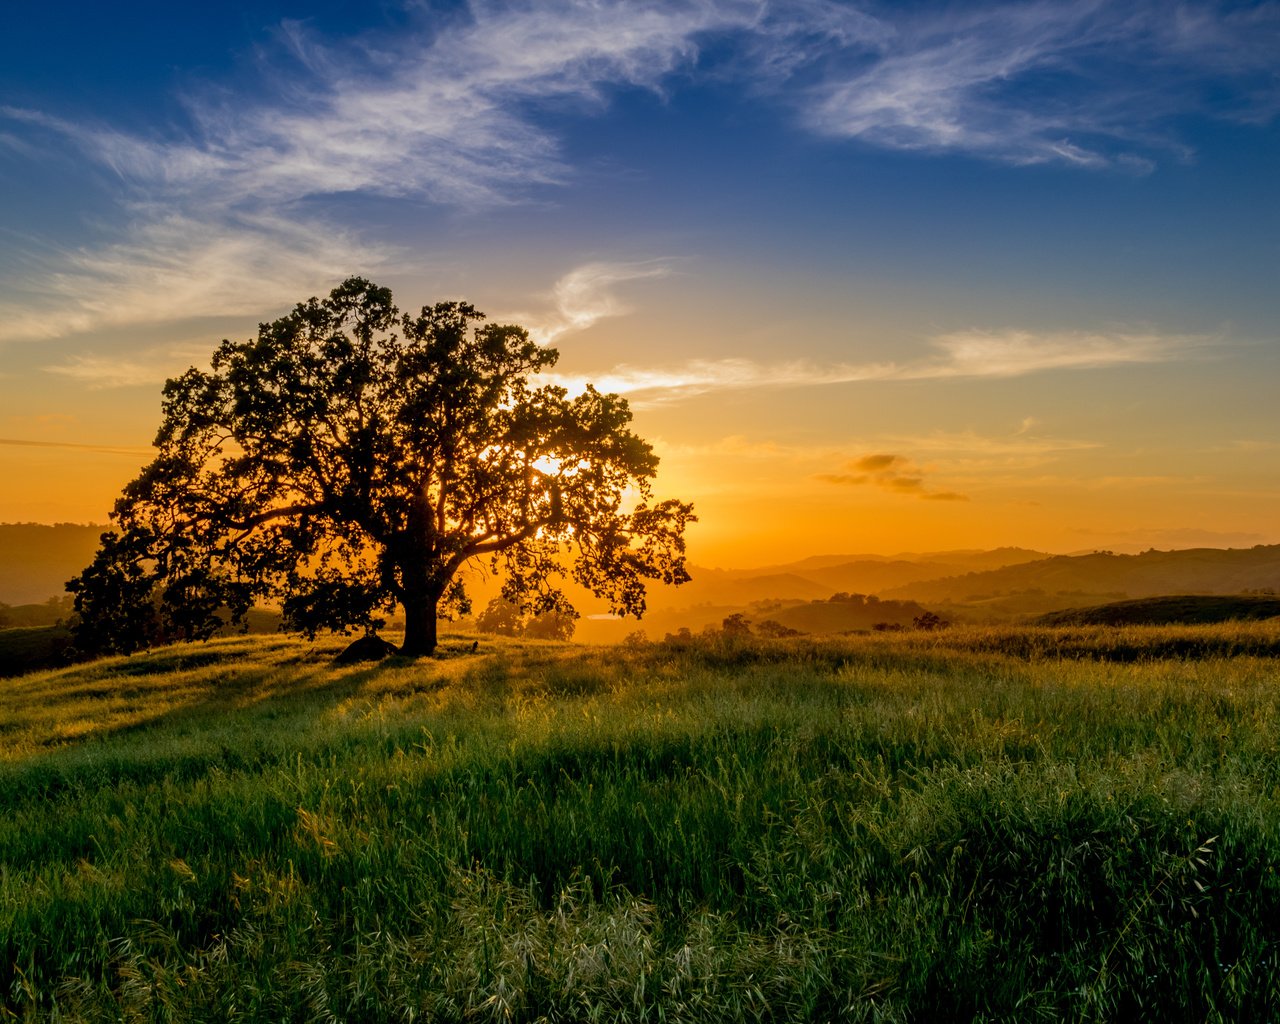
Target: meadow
pixel 1000 824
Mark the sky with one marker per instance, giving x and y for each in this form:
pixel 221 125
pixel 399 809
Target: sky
pixel 874 277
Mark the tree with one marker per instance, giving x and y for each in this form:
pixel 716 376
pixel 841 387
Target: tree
pixel 500 617
pixel 552 625
pixel 929 621
pixel 350 459
pixel 772 629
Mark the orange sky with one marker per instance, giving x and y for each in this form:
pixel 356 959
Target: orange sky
pixel 875 278
pixel 1054 458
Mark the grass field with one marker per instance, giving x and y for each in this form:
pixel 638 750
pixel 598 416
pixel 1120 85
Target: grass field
pixel 987 825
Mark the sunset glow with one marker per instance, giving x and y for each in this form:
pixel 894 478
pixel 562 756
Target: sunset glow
pixel 873 278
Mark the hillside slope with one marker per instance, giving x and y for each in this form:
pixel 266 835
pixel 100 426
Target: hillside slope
pixel 1150 574
pixel 894 827
pixel 1159 611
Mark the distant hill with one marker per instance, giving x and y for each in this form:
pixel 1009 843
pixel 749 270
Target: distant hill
pixel 831 616
pixel 37 560
pixel 960 561
pixel 47 613
pixel 865 577
pixel 716 587
pixel 819 577
pixel 963 585
pixel 1150 574
pixel 1159 611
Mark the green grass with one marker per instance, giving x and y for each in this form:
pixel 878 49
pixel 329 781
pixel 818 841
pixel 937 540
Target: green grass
pixel 970 825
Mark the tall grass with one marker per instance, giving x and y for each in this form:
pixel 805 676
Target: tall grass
pixel 969 826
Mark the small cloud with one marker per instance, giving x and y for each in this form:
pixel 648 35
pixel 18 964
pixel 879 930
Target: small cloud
pixel 889 473
pixel 843 478
pixel 874 463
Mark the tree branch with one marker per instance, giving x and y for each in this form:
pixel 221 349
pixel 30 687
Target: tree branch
pixel 275 513
pixel 488 544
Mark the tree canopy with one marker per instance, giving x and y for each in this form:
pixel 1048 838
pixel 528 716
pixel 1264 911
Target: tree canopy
pixel 352 458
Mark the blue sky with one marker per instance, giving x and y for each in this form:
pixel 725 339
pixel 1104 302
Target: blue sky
pixel 1030 250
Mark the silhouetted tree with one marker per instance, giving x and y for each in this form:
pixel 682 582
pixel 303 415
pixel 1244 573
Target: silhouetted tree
pixel 500 617
pixel 552 625
pixel 350 459
pixel 503 618
pixel 772 629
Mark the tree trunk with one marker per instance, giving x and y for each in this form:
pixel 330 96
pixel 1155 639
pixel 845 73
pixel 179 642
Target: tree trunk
pixel 420 624
pixel 419 570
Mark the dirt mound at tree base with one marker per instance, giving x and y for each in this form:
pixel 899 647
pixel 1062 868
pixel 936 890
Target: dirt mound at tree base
pixel 367 648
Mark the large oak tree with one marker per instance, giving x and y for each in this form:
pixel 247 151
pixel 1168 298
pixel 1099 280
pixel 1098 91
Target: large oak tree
pixel 350 459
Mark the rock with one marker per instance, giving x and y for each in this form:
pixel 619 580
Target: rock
pixel 367 648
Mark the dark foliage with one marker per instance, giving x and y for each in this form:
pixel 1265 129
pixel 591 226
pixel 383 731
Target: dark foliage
pixel 502 617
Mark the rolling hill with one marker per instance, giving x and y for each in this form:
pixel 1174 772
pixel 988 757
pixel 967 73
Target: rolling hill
pixel 998 585
pixel 1159 611
pixel 1150 574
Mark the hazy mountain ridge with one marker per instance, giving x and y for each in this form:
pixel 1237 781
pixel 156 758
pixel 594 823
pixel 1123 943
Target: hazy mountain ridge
pixel 820 576
pixel 37 559
pixel 1149 574
pixel 963 560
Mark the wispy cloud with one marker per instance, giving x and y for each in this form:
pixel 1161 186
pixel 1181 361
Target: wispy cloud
pixel 967 354
pixel 98 448
pixel 587 295
pixel 1075 82
pixel 1014 353
pixel 453 111
pixel 178 267
pixel 137 369
pixel 654 386
pixel 894 473
pixel 215 221
pixel 991 459
pixel 440 112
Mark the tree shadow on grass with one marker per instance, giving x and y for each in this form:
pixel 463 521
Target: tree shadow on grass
pixel 231 706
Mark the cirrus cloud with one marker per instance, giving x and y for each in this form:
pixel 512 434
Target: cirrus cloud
pixel 958 355
pixel 225 215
